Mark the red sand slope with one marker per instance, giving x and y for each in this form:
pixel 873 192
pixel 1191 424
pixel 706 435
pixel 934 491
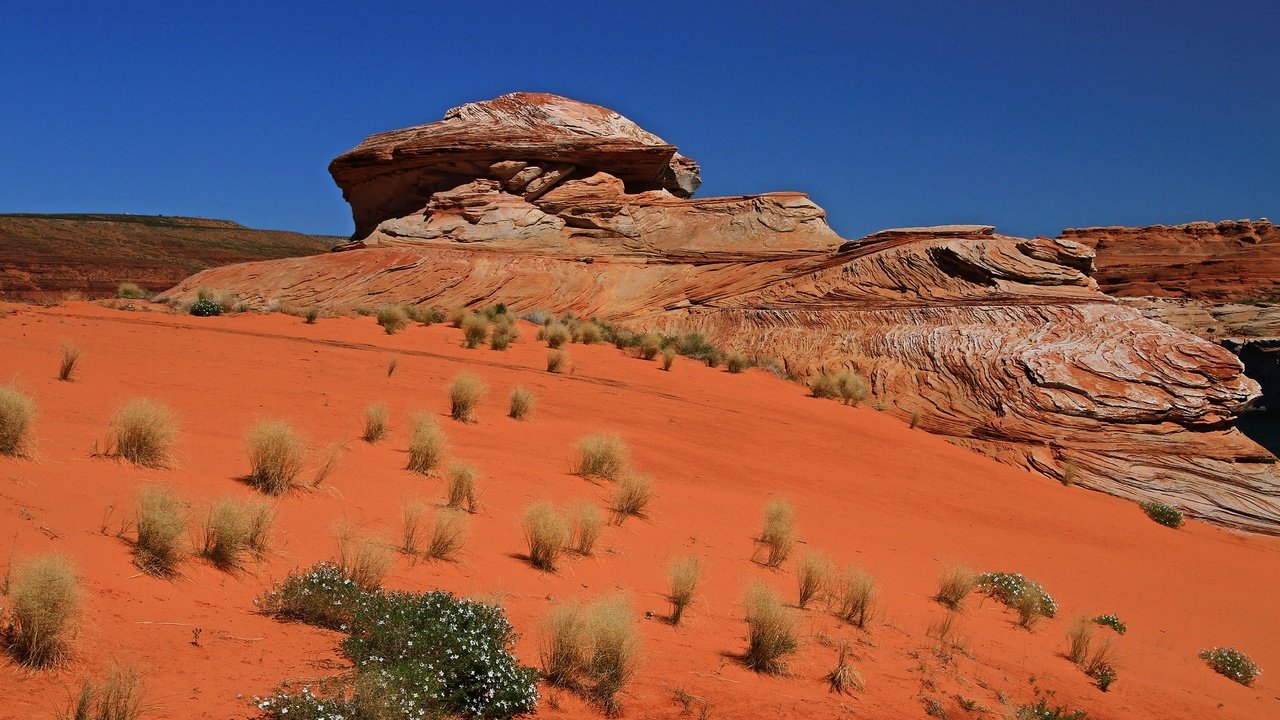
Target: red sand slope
pixel 867 490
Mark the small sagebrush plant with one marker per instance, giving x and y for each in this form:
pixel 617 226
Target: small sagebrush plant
pixel 375 423
pixel 427 655
pixel 1163 514
pixel 392 318
pixel 522 403
pixel 546 533
pixel 45 598
pixel 1232 663
pixel 778 537
pixel 682 582
pixel 1008 588
pixel 426 444
pixel 276 456
pixel 143 431
pixel 955 585
pixel 161 526
pixel 67 365
pixel 116 695
pixel 17 410
pixel 1112 621
pixel 601 456
pixel 771 630
pixel 465 393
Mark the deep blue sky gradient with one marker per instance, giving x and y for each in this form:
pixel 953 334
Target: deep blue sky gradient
pixel 1032 116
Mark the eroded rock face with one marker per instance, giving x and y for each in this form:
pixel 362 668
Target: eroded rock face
pixel 1003 344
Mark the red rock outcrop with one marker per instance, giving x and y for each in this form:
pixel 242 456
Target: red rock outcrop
pixel 1003 344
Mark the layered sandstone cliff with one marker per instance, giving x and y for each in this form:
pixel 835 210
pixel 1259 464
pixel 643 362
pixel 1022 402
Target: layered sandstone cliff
pixel 1003 344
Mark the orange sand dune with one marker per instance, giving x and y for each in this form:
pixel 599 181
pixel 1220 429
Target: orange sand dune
pixel 866 488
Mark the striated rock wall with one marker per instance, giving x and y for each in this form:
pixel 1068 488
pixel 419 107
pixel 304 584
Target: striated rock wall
pixel 1003 344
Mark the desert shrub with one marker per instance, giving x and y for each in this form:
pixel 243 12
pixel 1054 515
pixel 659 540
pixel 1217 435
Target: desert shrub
pixel 117 695
pixel 392 318
pixel 587 333
pixel 17 410
pixel 601 456
pixel 714 359
pixel 778 537
pixel 204 307
pixel 648 345
pixel 67 362
pixel 558 361
pixel 695 345
pixel 366 560
pixel 143 431
pixel 1232 663
pixel 233 528
pixel 853 596
pixel 1163 514
pixel 424 315
pixel 426 444
pixel 1042 711
pixel 411 527
pixel 812 576
pixel 131 291
pixel 623 339
pixel 682 582
pixel 556 335
pixel 426 655
pixel 311 314
pixel 955 585
pixel 1079 641
pixel 668 358
pixel 546 533
pixel 1009 587
pixel 630 496
pixel 522 402
pixel 323 595
pixel 465 393
pixel 852 388
pixel 843 678
pixel 504 333
pixel 610 663
pixel 375 423
pixel 474 330
pixel 161 525
pixel 44 604
pixel 460 488
pixel 1112 621
pixel 824 385
pixel 771 630
pixel 586 524
pixel 276 454
pixel 736 362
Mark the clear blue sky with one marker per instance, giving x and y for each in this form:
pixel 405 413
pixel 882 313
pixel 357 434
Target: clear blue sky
pixel 1029 115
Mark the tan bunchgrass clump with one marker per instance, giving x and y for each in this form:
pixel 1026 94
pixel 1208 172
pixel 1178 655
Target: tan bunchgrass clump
pixel 67 364
pixel 117 695
pixel 131 291
pixel 556 335
pixel 563 648
pixel 448 536
pixel 586 524
pixel 824 385
pixel 375 423
pixel 391 365
pixel 853 596
pixel 546 533
pixel 17 410
pixel 426 444
pixel 143 432
pixel 44 604
pixel 648 345
pixel 843 678
pixel 812 576
pixel 853 389
pixel 392 318
pixel 460 488
pixel 1102 661
pixel 465 393
pixel 411 538
pixel 955 584
pixel 1027 605
pixel 161 525
pixel 682 582
pixel 601 456
pixel 1080 640
pixel 474 330
pixel 233 528
pixel 522 402
pixel 668 358
pixel 558 361
pixel 276 456
pixel 329 458
pixel 592 649
pixel 587 333
pixel 736 362
pixel 366 559
pixel 771 630
pixel 630 496
pixel 778 537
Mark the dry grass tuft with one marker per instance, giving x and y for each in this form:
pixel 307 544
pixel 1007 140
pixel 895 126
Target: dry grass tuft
pixel 474 330
pixel 587 333
pixel 448 535
pixel 955 584
pixel 771 630
pixel 161 526
pixel 67 366
pixel 1080 640
pixel 465 393
pixel 563 649
pixel 411 537
pixel 853 595
pixel 375 423
pixel 601 456
pixel 586 524
pixel 812 576
pixel 778 537
pixel 426 444
pixel 1028 607
pixel 233 528
pixel 116 696
pixel 329 458
pixel 276 456
pixel 17 410
pixel 366 560
pixel 668 358
pixel 44 605
pixel 843 678
pixel 556 335
pixel 131 291
pixel 611 662
pixel 682 582
pixel 736 362
pixel 391 365
pixel 558 361
pixel 522 402
pixel 460 491
pixel 143 432
pixel 546 532
pixel 392 318
pixel 630 496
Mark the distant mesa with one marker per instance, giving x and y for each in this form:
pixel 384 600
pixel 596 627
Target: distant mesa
pixel 1002 344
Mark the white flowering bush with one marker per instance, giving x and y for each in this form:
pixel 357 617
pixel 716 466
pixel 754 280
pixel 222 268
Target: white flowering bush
pixel 1008 588
pixel 1232 663
pixel 427 655
pixel 205 307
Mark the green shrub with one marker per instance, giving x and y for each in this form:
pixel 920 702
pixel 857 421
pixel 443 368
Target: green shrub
pixel 1163 514
pixel 324 596
pixel 1009 588
pixel 1113 622
pixel 44 605
pixel 1232 663
pixel 17 410
pixel 205 308
pixel 1042 711
pixel 392 318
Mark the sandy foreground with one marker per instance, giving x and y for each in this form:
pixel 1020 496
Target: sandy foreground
pixel 867 490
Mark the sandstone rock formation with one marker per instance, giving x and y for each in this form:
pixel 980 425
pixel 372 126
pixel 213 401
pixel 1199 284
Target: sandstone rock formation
pixel 1003 344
